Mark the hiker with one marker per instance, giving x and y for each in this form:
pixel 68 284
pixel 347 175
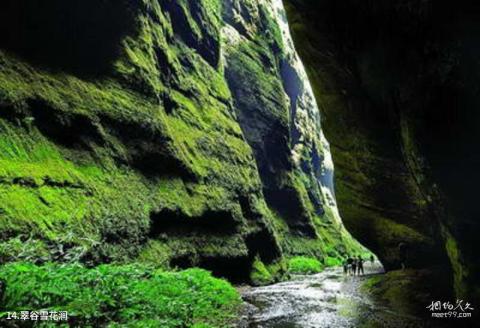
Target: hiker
pixel 349 263
pixel 372 259
pixel 403 254
pixel 354 266
pixel 360 265
pixel 345 267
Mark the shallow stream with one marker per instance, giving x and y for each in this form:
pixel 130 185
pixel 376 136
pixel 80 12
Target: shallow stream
pixel 327 299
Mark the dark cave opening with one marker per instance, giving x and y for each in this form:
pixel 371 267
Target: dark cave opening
pixel 176 223
pixel 236 270
pixel 256 245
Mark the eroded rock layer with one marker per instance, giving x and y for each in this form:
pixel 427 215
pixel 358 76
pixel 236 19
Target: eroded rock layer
pixel 179 132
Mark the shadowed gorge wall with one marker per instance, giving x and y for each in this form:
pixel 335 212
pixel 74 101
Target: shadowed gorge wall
pixel 79 36
pixel 397 85
pixel 179 133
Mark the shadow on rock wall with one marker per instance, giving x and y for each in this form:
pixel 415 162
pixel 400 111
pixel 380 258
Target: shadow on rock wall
pixel 397 82
pixel 79 36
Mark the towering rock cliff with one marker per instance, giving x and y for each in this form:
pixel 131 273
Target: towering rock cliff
pixel 178 133
pixel 397 84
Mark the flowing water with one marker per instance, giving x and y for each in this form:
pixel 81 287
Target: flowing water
pixel 327 299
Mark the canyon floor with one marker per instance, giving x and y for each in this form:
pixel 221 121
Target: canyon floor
pixel 327 299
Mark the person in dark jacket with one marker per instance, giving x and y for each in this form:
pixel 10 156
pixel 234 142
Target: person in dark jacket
pixel 360 265
pixel 345 267
pixel 349 264
pixel 354 266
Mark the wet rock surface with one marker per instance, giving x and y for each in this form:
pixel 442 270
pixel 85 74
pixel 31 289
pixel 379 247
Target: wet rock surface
pixel 394 82
pixel 327 299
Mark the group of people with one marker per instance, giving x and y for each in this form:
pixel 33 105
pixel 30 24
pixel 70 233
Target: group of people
pixel 354 265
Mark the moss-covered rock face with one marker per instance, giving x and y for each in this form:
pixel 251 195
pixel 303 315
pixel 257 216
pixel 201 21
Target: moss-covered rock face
pixel 396 82
pixel 405 290
pixel 177 133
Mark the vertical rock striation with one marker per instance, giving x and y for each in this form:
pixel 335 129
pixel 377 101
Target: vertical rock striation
pixel 282 123
pixel 180 133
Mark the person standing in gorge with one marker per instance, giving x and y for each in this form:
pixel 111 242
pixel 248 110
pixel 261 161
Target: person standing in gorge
pixel 349 264
pixel 345 266
pixel 360 265
pixel 354 265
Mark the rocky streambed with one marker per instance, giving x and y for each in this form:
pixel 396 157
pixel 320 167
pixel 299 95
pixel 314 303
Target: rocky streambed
pixel 327 299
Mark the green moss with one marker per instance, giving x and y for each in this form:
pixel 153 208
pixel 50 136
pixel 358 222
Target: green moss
pixel 255 73
pixel 159 136
pixel 370 283
pixel 260 274
pixel 408 291
pixel 93 194
pixel 332 241
pixel 381 207
pixel 304 265
pixel 332 261
pixel 47 196
pixel 119 295
pixel 460 271
pixel 278 269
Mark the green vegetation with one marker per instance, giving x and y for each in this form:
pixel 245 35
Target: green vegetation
pixel 114 296
pixel 89 165
pixel 260 274
pixel 304 265
pixel 398 289
pixel 407 290
pixel 460 273
pixel 380 207
pixel 146 162
pixel 371 283
pixel 332 261
pixel 85 163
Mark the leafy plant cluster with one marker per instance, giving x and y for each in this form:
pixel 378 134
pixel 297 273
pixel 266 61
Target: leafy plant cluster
pixel 304 265
pixel 119 296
